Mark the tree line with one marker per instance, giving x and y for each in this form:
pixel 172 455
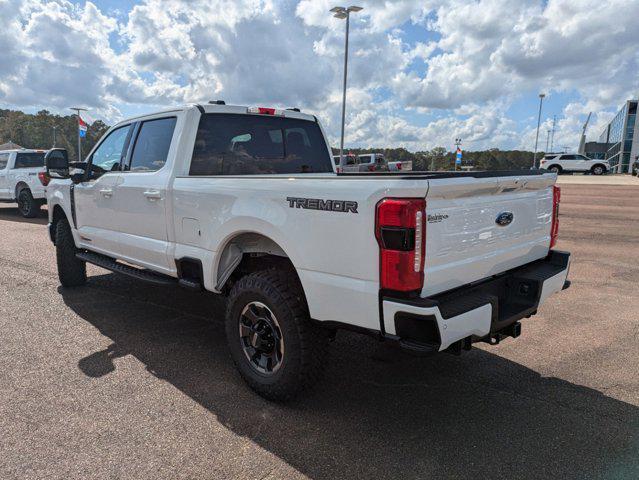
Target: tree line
pixel 36 131
pixel 440 159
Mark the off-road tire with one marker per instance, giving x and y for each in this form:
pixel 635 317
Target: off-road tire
pixel 28 206
pixel 305 344
pixel 72 271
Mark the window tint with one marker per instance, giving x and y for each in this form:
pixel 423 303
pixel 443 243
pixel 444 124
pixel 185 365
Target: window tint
pixel 4 158
pixel 568 157
pixel 152 145
pixel 232 144
pixel 29 160
pixel 107 157
pixel 365 159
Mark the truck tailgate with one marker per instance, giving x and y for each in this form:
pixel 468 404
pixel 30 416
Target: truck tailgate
pixel 479 227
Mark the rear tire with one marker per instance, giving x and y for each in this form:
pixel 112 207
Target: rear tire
pixel 72 271
pixel 27 205
pixel 274 345
pixel 555 169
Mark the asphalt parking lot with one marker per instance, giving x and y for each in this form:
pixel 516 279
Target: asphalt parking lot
pixel 120 379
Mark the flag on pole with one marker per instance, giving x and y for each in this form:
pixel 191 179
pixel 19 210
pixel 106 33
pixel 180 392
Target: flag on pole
pixel 82 127
pixel 459 156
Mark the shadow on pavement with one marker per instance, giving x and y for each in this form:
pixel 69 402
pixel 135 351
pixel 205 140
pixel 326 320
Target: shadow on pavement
pixel 377 413
pixel 10 213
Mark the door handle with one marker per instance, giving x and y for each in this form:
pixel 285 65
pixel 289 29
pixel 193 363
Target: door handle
pixel 152 195
pixel 107 192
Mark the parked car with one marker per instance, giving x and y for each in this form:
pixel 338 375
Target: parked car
pixel 429 261
pixel 23 180
pixel 635 166
pixel 349 164
pixel 372 162
pixel 571 163
pixel 395 166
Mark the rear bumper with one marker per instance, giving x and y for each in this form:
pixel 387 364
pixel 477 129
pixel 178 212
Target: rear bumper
pixel 487 310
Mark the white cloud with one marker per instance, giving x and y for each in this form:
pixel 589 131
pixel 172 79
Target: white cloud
pixel 468 65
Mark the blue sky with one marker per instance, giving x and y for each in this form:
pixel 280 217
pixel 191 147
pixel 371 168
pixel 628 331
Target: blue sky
pixel 421 72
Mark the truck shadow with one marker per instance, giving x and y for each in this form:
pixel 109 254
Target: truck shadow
pixel 10 213
pixel 377 413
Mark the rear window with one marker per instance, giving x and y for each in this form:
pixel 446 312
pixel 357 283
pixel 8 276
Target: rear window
pixel 236 144
pixel 29 160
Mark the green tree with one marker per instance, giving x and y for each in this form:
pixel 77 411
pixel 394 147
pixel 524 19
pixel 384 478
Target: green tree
pixel 36 131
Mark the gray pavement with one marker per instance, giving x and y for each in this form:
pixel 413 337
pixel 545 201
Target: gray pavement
pixel 120 379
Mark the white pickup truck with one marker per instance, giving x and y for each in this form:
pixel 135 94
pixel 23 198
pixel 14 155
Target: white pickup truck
pixel 245 202
pixel 23 180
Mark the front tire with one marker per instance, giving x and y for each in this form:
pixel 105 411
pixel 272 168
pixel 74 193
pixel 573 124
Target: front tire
pixel 274 345
pixel 27 205
pixel 598 170
pixel 72 271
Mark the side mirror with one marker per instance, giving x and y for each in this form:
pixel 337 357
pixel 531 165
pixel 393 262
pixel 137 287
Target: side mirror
pixel 57 163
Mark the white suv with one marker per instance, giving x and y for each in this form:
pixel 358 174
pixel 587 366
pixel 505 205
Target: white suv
pixel 571 162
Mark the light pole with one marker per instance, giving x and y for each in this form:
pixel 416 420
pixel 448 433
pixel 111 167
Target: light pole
pixel 541 101
pixel 54 129
pixel 547 140
pixel 344 13
pixel 77 111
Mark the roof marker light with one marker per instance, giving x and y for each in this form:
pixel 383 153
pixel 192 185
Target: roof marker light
pixel 264 111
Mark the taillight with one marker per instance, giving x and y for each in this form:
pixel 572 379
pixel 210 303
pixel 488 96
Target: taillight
pixel 399 229
pixel 554 227
pixel 399 166
pixel 44 178
pixel 371 168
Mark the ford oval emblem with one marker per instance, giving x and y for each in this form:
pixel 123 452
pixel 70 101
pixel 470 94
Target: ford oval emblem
pixel 504 218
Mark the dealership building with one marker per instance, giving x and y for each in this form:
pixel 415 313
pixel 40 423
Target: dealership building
pixel 620 139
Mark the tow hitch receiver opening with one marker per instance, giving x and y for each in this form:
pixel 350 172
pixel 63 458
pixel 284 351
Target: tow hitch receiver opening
pixel 513 331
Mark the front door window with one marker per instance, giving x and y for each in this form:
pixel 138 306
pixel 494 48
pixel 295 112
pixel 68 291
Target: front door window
pixel 107 157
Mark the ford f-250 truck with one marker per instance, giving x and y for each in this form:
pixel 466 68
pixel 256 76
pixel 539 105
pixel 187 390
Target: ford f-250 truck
pixel 245 202
pixel 23 180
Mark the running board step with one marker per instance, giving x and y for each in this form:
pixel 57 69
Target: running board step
pixel 110 264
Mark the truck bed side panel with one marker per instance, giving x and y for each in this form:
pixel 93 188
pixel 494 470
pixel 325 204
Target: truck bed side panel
pixel 335 252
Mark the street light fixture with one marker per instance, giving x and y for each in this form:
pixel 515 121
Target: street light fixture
pixel 541 101
pixel 344 13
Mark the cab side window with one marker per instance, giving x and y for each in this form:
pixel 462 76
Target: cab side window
pixel 152 145
pixel 107 157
